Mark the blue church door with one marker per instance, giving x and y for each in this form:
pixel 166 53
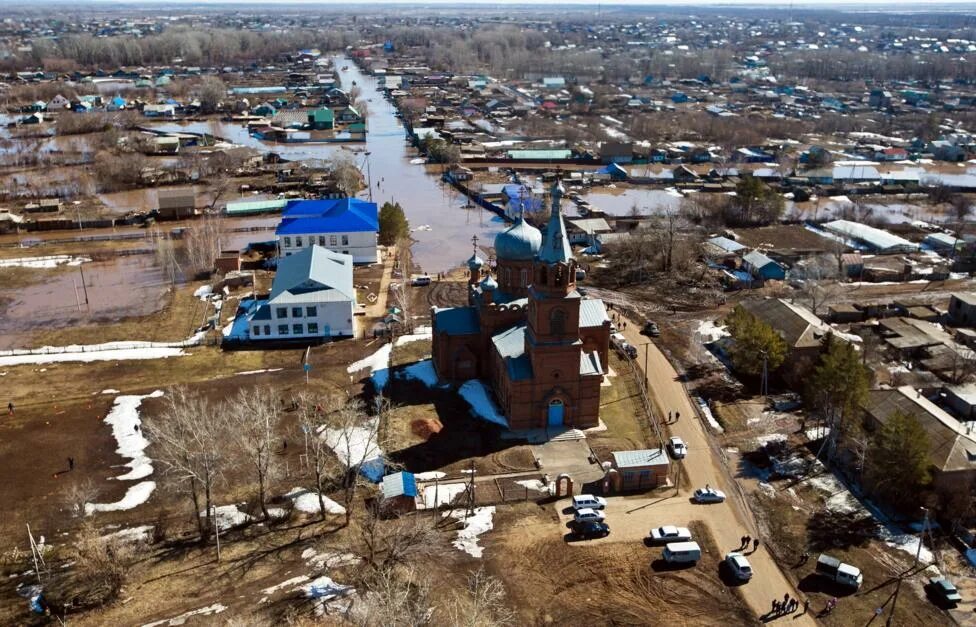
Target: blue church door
pixel 556 413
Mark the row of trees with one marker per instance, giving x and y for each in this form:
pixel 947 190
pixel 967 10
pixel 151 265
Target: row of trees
pixel 200 443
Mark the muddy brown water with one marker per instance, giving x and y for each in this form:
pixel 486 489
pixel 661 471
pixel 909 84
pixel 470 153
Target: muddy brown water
pixel 119 288
pixel 442 227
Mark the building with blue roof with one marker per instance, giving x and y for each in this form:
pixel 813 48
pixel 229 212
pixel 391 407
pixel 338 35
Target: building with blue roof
pixel 527 331
pixel 345 225
pixel 312 298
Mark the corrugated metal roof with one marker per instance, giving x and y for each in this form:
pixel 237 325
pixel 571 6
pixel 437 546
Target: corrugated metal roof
pixel 876 238
pixel 456 321
pixel 313 269
pixel 639 458
pixel 757 260
pixel 540 155
pixel 254 206
pixel 345 215
pixel 590 364
pixel 593 313
pixel 726 244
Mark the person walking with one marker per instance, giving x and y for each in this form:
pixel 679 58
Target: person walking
pixel 786 599
pixel 677 415
pixel 71 463
pixel 10 408
pixel 669 415
pixel 742 541
pixel 755 545
pixel 806 605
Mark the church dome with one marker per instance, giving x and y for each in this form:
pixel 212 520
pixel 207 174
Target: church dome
pixel 519 242
pixel 475 262
pixel 489 284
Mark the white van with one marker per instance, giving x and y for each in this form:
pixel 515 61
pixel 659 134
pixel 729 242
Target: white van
pixel 584 501
pixel 682 552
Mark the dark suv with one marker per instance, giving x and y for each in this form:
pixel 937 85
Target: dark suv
pixel 650 329
pixel 591 529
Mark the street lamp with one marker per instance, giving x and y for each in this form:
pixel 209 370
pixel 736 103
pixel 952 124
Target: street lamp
pixel 369 178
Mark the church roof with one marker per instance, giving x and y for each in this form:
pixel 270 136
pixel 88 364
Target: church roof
pixel 593 313
pixel 519 242
pixel 456 321
pixel 555 245
pixel 510 345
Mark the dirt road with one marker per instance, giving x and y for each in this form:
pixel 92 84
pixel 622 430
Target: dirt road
pixel 728 521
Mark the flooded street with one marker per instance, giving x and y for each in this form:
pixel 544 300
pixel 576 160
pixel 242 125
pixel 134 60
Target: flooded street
pixel 441 228
pixel 647 201
pixel 122 287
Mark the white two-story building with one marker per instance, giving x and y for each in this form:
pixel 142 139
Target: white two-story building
pixel 312 297
pixel 346 225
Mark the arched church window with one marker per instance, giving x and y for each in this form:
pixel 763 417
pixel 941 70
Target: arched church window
pixel 557 322
pixel 523 277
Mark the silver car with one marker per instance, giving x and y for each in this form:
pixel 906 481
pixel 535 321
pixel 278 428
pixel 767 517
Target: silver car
pixel 670 533
pixel 709 495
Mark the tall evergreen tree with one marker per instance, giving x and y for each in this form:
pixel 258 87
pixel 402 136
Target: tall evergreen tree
pixel 393 223
pixel 897 464
pixel 754 341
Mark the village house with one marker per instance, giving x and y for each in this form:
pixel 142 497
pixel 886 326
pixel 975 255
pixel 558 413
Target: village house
pixel 176 203
pixel 639 470
pixel 345 225
pixel 952 445
pixel 802 331
pixel 528 331
pixel 312 298
pixel 962 309
pixel 762 267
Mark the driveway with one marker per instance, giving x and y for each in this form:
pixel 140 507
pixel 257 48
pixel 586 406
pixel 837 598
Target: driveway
pixel 728 521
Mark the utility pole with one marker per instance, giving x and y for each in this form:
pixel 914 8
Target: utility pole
pixel 84 287
pixel 216 530
pixel 369 178
pixel 471 491
pixel 918 554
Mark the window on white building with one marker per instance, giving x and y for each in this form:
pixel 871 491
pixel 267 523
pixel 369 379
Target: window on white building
pixel 298 242
pixel 345 240
pixel 296 312
pixel 282 329
pixel 286 241
pixel 257 329
pixel 267 329
pixel 313 328
pixel 321 240
pixel 332 240
pixel 282 312
pixel 311 312
pixel 297 329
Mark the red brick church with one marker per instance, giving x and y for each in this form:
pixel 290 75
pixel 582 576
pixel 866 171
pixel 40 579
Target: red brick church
pixel 527 331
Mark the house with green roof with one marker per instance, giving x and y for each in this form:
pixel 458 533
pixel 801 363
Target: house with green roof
pixel 321 119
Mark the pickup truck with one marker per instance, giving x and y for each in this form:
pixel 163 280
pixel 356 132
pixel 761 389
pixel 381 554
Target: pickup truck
pixel 835 570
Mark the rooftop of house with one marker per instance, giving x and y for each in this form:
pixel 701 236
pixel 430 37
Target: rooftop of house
pixel 343 215
pixel 316 270
pixel 640 458
pixel 796 324
pixel 951 446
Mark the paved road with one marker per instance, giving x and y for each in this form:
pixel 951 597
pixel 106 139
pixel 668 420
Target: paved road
pixel 728 521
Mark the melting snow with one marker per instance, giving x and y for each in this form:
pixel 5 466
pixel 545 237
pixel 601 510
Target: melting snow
pixel 356 445
pixel 203 292
pixel 109 391
pixel 478 523
pixel 51 261
pixel 216 608
pixel 709 332
pixel 534 484
pixel 430 475
pixel 124 420
pixel 482 406
pixel 442 494
pixel 258 371
pixel 422 371
pixel 709 416
pixel 308 501
pixel 328 560
pixel 294 581
pixel 228 516
pixel 420 333
pixel 131 534
pixel 378 364
pixel 323 589
pixel 110 351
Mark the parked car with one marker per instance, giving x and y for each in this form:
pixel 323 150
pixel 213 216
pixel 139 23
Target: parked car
pixel 588 515
pixel 584 501
pixel 681 552
pixel 623 346
pixel 677 447
pixel 739 566
pixel 421 281
pixel 592 529
pixel 943 592
pixel 709 495
pixel 670 533
pixel 835 570
pixel 650 329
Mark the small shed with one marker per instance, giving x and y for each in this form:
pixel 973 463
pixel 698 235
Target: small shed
pixel 176 203
pixel 642 469
pixel 762 267
pixel 399 493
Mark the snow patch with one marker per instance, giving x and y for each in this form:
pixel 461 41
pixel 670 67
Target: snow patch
pixel 287 583
pixel 767 438
pixel 109 391
pixel 422 371
pixel 308 501
pixel 328 559
pixel 134 497
pixel 228 516
pixel 709 416
pixel 203 292
pixel 216 608
pixel 475 525
pixel 420 333
pixel 354 445
pixel 430 475
pixel 323 590
pixel 378 365
pixel 534 484
pixel 709 332
pixel 246 372
pixel 482 405
pixel 131 534
pixel 817 433
pixel 51 261
pixel 442 494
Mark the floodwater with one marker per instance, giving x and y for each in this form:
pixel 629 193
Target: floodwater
pixel 442 229
pixel 621 203
pixel 119 288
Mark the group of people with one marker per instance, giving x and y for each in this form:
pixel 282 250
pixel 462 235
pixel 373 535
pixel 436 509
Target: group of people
pixel 788 605
pixel 675 417
pixel 747 540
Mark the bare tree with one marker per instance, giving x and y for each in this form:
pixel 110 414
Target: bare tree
pixel 203 244
pixel 397 597
pixel 98 572
pixel 254 416
pixel 353 437
pixel 482 604
pixel 346 174
pixel 399 541
pixel 78 494
pixel 320 459
pixel 188 438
